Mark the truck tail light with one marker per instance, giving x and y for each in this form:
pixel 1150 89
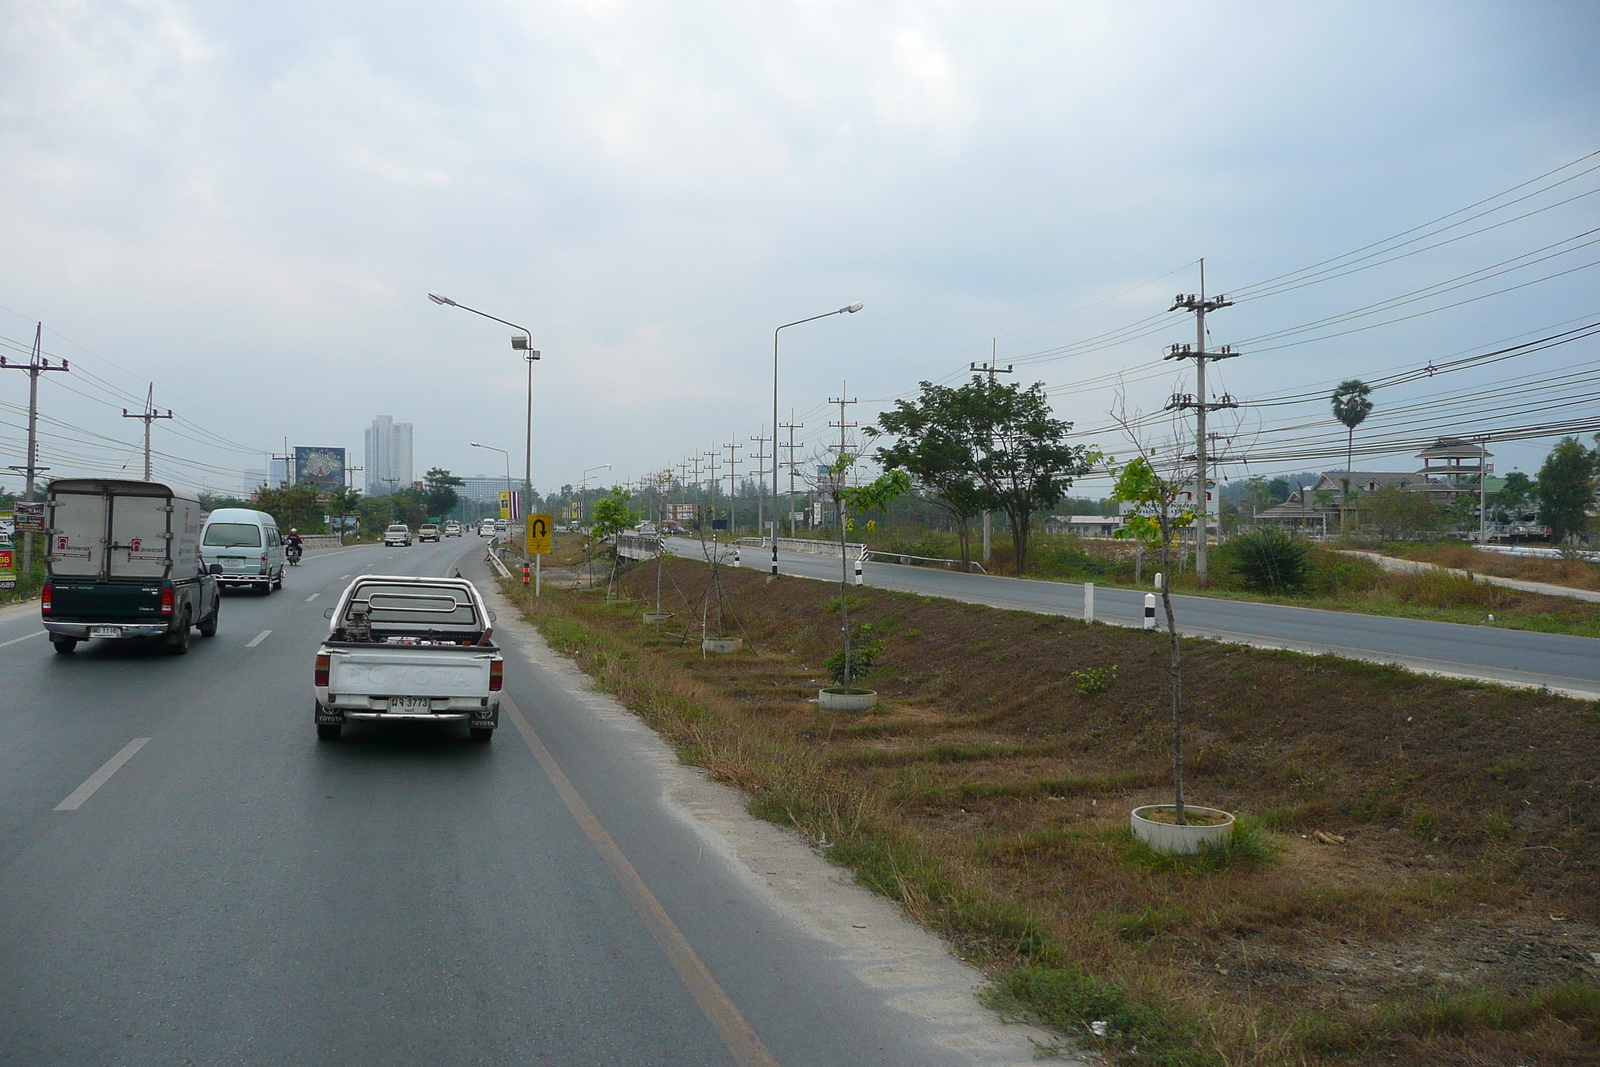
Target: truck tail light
pixel 497 675
pixel 321 676
pixel 46 595
pixel 166 601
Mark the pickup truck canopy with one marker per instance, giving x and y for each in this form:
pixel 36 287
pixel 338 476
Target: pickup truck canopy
pixel 400 606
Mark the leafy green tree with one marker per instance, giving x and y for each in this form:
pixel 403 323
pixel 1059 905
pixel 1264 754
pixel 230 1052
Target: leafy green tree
pixel 1515 495
pixel 1351 406
pixel 1397 514
pixel 1566 488
pixel 611 515
pixel 1155 523
pixel 938 457
pixel 293 506
pixel 439 492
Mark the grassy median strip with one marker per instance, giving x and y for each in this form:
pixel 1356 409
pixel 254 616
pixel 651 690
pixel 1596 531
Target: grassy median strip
pixel 1413 878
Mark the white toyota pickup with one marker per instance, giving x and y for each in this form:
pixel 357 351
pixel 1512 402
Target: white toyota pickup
pixel 405 649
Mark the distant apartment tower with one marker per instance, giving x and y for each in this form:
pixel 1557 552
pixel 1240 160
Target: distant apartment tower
pixel 388 454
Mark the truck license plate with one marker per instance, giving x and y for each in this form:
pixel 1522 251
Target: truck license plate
pixel 410 704
pixel 105 631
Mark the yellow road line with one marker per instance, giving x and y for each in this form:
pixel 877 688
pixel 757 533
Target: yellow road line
pixel 736 1034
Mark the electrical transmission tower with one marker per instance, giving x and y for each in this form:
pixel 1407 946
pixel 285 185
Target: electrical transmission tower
pixel 1201 402
pixel 149 415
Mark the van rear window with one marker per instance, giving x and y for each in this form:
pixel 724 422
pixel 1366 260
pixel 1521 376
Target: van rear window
pixel 233 535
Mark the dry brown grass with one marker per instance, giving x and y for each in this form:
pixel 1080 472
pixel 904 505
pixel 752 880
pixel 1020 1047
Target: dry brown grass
pixel 1575 573
pixel 990 796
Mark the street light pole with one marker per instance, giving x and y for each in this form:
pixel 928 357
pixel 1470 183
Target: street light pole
pixel 519 343
pixel 851 310
pixel 507 455
pixel 583 491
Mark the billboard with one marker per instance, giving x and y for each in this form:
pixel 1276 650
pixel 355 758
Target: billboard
pixel 321 467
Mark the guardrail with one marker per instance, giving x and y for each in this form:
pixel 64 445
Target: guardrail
pixel 638 546
pixel 807 545
pixel 905 558
pixel 312 541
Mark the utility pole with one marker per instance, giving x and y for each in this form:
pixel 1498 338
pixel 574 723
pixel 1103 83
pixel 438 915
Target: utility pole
pixel 1200 402
pixel 761 483
pixel 35 366
pixel 711 474
pixel 791 426
pixel 149 415
pixel 990 368
pixel 733 488
pixel 838 508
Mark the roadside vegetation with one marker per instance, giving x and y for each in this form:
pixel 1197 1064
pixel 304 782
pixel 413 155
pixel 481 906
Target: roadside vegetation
pixel 1414 880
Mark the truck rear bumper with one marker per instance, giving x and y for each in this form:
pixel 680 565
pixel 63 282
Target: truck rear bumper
pixel 243 579
pixel 83 631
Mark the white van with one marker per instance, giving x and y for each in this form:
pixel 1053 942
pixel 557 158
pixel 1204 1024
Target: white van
pixel 247 545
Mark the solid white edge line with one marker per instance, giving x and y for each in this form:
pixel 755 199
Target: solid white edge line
pixel 312 597
pixel 103 775
pixel 257 639
pixel 24 637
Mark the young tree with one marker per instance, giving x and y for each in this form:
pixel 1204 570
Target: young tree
pixel 611 515
pixel 1514 496
pixel 1401 514
pixel 1155 523
pixel 293 506
pixel 1566 488
pixel 1351 406
pixel 937 457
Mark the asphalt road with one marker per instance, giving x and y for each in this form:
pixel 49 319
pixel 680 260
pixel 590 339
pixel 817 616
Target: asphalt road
pixel 1520 657
pixel 236 892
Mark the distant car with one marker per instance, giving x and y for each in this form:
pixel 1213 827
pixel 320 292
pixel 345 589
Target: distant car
pixel 429 531
pixel 501 526
pixel 647 528
pixel 486 528
pixel 452 529
pixel 397 534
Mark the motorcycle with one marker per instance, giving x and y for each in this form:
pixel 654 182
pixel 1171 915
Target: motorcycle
pixel 293 554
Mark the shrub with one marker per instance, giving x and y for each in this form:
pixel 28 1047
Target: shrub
pixel 1335 574
pixel 1092 680
pixel 1268 561
pixel 863 653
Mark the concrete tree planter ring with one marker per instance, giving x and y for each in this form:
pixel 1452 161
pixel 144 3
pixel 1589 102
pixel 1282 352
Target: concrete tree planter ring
pixel 722 644
pixel 846 700
pixel 654 618
pixel 1203 826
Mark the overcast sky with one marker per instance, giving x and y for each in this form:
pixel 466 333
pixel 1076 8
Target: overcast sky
pixel 248 203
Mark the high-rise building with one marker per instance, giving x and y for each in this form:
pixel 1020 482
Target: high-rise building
pixel 388 455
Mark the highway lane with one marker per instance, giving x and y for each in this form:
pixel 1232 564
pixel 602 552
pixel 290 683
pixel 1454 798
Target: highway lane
pixel 237 892
pixel 1519 657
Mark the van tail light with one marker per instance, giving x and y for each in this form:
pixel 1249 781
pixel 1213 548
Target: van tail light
pixel 46 595
pixel 166 601
pixel 497 675
pixel 321 677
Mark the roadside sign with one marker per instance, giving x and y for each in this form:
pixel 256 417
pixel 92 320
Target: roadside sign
pixel 505 505
pixel 8 569
pixel 30 516
pixel 539 535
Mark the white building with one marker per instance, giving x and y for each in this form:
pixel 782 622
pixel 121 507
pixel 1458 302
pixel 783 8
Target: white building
pixel 388 454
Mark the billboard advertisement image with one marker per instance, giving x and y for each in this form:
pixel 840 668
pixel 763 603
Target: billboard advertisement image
pixel 321 467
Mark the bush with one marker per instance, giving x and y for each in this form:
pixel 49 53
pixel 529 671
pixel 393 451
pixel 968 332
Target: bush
pixel 863 653
pixel 1268 561
pixel 1335 574
pixel 1092 680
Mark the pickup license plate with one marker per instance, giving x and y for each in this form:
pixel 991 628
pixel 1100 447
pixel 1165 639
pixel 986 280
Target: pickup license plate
pixel 105 631
pixel 410 704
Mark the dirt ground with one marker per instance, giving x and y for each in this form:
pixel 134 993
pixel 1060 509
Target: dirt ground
pixel 1421 885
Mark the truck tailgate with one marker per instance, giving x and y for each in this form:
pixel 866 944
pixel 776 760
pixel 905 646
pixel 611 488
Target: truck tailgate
pixel 399 671
pixel 108 601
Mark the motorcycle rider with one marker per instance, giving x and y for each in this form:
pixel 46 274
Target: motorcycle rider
pixel 294 543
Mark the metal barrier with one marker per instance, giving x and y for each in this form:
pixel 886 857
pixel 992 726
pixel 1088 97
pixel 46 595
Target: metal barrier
pixel 905 559
pixel 807 545
pixel 315 541
pixel 638 546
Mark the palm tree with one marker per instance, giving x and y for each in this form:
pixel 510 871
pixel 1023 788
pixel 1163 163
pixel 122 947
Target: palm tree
pixel 1351 407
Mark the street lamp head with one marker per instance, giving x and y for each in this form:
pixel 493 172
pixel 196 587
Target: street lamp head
pixel 475 444
pixel 853 308
pixel 521 343
pixel 437 299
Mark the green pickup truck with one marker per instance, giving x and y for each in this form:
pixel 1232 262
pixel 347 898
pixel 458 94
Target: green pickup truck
pixel 124 562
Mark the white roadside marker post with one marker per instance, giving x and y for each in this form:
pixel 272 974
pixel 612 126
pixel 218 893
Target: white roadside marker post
pixel 1088 603
pixel 1149 611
